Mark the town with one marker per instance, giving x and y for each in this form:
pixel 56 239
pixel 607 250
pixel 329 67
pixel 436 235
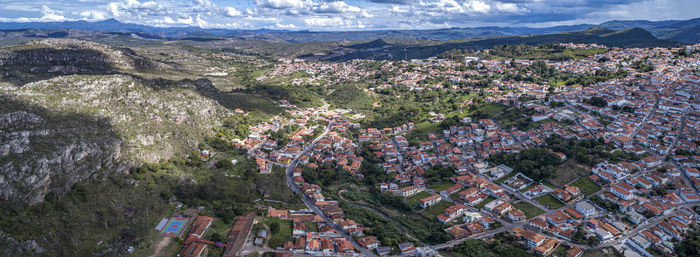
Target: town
pixel 610 165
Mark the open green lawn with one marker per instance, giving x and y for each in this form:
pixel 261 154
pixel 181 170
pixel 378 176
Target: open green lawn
pixel 529 209
pixel 567 172
pixel 420 133
pixel 433 211
pixel 415 199
pixel 311 226
pixel 587 186
pixel 441 186
pixel 485 202
pixel 549 201
pixel 283 235
pixel 549 184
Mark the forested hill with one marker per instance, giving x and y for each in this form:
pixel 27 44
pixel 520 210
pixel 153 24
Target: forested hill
pixel 622 38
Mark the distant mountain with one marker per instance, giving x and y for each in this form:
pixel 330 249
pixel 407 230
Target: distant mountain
pixel 676 28
pixel 684 31
pixel 620 25
pixel 621 38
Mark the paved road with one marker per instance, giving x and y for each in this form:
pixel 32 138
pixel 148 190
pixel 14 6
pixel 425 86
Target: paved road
pixel 648 224
pixel 310 203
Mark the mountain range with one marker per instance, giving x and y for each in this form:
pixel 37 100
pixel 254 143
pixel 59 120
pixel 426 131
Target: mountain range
pixel 687 31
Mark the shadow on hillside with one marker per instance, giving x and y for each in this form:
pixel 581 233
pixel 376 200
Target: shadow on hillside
pixel 24 66
pixel 229 100
pixel 29 65
pixel 70 145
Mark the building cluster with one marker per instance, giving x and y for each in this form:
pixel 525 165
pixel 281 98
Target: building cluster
pixel 650 116
pixel 324 240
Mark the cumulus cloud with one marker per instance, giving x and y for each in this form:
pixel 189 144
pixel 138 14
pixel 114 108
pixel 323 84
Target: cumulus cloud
pixel 283 4
pixel 348 14
pixel 232 12
pixel 391 1
pixel 335 7
pixel 93 15
pixel 48 14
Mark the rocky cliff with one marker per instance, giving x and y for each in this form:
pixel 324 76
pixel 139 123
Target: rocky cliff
pixel 82 112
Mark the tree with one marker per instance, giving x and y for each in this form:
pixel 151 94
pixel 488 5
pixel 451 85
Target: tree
pixel 596 101
pixel 274 228
pixel 690 246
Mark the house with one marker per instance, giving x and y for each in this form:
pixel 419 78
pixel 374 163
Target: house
pixel 280 214
pixel 342 245
pixel 194 249
pixel 370 242
pixel 430 201
pixel 621 192
pixel 574 251
pixel 651 161
pixel 451 190
pixel 264 166
pixel 409 191
pixel 500 171
pixel 516 215
pixel 547 247
pixel 383 250
pixel 585 208
pixel 452 213
pixel 407 248
pixel 327 246
pixel 457 232
pixel 299 229
pixel 200 225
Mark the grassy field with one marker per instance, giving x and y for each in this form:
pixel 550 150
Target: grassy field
pixel 283 235
pixel 529 209
pixel 415 199
pixel 420 133
pixel 441 186
pixel 311 226
pixel 485 202
pixel 549 184
pixel 433 211
pixel 549 201
pixel 567 172
pixel 587 186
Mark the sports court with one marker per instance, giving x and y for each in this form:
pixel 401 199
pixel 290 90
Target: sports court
pixel 174 227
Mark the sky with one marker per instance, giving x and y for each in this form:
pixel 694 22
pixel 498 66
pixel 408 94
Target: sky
pixel 340 15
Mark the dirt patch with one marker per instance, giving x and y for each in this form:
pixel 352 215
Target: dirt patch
pixel 162 244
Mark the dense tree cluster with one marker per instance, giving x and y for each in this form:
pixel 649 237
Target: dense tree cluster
pixel 587 151
pixel 536 163
pixel 690 246
pixel 596 101
pixel 643 65
pixel 479 248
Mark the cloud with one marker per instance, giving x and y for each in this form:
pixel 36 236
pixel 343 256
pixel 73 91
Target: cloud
pixel 348 14
pixel 232 12
pixel 48 14
pixel 335 7
pixel 391 1
pixel 93 15
pixel 283 4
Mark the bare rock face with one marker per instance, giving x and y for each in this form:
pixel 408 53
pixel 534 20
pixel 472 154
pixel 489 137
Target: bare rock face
pixel 39 156
pixel 14 247
pixel 69 110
